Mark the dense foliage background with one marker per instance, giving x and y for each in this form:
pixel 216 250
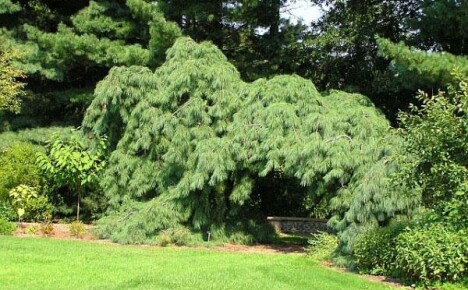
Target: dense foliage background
pixel 201 117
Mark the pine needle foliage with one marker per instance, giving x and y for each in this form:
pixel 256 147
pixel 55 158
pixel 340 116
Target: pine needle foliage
pixel 103 34
pixel 421 69
pixel 190 141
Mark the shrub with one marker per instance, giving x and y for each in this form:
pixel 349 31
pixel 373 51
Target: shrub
pixel 47 228
pixel 29 204
pixel 435 253
pixel 32 230
pixel 164 239
pixel 6 227
pixel 433 160
pixel 6 211
pixel 77 229
pixel 18 166
pixel 179 236
pixel 322 245
pixel 374 251
pixel 38 208
pixel 20 197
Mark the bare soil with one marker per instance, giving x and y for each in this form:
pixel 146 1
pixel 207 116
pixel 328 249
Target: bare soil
pixel 263 248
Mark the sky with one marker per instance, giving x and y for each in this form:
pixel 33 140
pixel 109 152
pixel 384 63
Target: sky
pixel 301 9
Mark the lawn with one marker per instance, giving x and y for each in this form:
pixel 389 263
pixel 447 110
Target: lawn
pixel 40 263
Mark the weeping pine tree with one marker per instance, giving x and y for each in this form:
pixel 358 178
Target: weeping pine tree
pixel 191 141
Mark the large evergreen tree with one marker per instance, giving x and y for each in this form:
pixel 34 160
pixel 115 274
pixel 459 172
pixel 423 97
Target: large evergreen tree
pixel 69 47
pixel 254 35
pixel 101 35
pixel 342 51
pixel 442 26
pixel 192 143
pixel 416 69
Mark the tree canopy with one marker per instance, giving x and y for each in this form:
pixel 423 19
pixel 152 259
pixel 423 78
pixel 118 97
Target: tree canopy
pixel 68 47
pixel 417 69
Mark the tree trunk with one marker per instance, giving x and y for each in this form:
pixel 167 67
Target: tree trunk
pixel 78 206
pixel 275 19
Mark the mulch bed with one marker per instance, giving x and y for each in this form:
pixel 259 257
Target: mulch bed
pixel 61 231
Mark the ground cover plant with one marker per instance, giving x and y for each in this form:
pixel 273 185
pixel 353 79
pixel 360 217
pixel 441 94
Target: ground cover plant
pixel 81 265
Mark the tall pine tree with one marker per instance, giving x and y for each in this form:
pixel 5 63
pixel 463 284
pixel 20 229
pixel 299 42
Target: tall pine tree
pixel 69 47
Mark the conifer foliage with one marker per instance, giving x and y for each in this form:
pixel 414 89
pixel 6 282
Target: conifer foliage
pixel 101 35
pixel 190 141
pixel 421 69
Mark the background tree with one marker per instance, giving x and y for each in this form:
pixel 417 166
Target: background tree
pixel 442 26
pixel 416 69
pixel 342 51
pixel 254 35
pixel 68 48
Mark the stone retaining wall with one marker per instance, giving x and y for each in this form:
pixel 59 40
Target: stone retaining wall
pixel 301 226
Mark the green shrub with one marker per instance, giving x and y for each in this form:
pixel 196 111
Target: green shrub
pixel 18 166
pixel 29 205
pixel 434 253
pixel 179 236
pixel 433 158
pixel 77 229
pixel 374 250
pixel 322 245
pixel 37 208
pixel 6 227
pixel 20 196
pixel 7 212
pixel 164 239
pixel 32 230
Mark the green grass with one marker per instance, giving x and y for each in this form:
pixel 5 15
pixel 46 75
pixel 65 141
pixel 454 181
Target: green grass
pixel 288 239
pixel 40 263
